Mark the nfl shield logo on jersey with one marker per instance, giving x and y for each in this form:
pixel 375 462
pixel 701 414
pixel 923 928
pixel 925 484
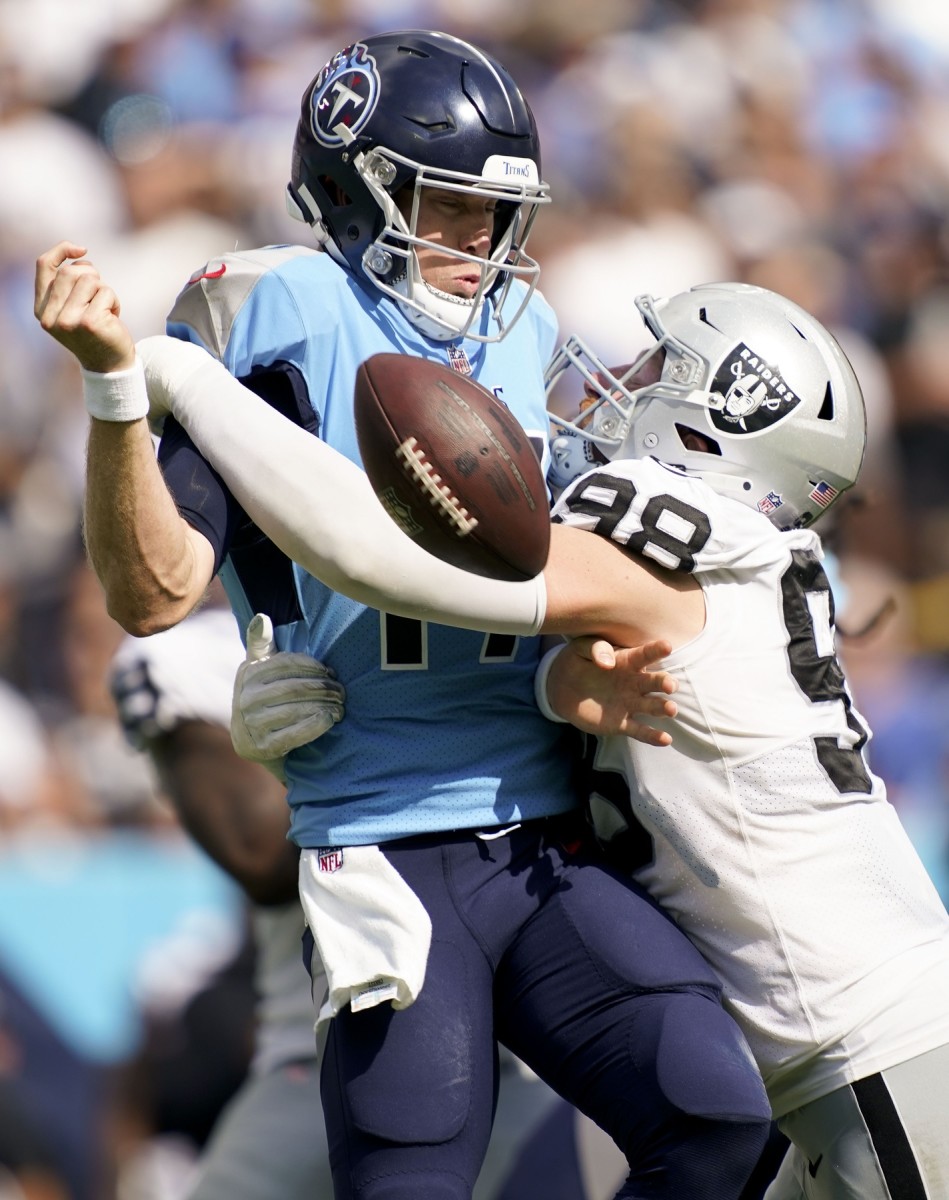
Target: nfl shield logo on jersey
pixel 458 360
pixel 329 859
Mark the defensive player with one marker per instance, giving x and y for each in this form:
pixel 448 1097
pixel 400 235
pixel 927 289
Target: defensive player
pixel 762 829
pixel 417 166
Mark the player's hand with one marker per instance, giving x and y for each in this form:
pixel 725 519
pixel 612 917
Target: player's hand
pixel 77 308
pixel 605 689
pixel 282 700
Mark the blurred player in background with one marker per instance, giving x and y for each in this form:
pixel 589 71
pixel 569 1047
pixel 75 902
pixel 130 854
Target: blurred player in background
pixel 701 469
pixel 173 695
pixel 438 829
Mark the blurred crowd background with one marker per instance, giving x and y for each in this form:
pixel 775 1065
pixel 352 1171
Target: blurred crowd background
pixel 799 144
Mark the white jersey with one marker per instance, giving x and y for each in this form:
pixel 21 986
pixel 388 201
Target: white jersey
pixel 187 673
pixel 762 831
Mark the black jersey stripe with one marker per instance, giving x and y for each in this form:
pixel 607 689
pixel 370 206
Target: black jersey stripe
pixel 890 1143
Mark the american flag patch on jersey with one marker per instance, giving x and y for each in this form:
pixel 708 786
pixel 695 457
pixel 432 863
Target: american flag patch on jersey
pixel 458 360
pixel 767 504
pixel 329 859
pixel 823 494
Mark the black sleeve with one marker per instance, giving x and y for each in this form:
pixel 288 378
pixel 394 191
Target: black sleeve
pixel 202 496
pixel 206 503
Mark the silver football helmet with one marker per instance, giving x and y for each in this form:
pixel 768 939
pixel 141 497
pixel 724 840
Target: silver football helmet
pixel 775 400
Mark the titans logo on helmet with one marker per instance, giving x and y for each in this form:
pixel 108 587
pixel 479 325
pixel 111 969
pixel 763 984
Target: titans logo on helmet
pixel 344 95
pixel 755 393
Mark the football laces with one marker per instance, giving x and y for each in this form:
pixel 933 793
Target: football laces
pixel 439 494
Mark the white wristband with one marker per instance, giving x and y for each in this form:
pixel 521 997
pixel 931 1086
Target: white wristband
pixel 116 395
pixel 540 684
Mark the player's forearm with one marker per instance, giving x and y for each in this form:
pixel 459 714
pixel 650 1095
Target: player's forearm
pixel 146 556
pixel 319 508
pixel 235 810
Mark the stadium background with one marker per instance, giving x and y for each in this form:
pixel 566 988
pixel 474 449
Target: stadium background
pixel 800 144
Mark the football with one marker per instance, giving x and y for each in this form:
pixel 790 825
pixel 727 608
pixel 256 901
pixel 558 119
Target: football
pixel 452 466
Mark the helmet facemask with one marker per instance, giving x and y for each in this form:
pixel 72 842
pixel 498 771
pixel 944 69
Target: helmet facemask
pixel 667 369
pixel 391 262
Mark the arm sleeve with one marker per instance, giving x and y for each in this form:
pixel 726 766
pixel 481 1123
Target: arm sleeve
pixel 293 486
pixel 202 496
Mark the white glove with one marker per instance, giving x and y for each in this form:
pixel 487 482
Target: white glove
pixel 282 700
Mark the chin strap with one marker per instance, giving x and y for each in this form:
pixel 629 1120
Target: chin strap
pixel 293 486
pixel 443 317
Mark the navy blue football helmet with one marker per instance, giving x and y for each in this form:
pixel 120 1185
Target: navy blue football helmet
pixel 419 109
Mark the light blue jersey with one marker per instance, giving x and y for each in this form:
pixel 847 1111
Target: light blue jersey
pixel 441 729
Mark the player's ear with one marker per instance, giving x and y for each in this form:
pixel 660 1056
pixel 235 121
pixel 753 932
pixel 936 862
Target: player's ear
pixel 336 194
pixel 693 440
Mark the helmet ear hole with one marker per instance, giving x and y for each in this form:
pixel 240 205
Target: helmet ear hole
pixel 693 440
pixel 336 194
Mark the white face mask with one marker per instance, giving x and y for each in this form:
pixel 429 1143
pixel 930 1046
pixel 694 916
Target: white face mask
pixel 434 312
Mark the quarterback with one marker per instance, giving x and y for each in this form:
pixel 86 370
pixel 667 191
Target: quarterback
pixel 762 829
pixel 173 696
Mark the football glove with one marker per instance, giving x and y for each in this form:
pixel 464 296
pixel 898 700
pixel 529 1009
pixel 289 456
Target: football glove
pixel 282 700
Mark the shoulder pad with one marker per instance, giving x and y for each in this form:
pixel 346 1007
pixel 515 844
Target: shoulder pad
pixel 216 292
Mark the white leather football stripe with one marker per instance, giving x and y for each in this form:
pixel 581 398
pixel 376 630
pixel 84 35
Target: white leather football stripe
pixel 439 494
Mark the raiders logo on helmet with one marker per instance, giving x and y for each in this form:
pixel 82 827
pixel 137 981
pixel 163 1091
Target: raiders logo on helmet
pixel 755 394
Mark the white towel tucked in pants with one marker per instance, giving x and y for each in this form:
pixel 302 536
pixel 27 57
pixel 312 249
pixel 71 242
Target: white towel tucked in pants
pixel 370 929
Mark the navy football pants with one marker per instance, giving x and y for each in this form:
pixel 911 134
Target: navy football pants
pixel 588 982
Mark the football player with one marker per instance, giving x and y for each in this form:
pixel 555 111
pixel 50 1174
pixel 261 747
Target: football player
pixel 173 696
pixel 438 823
pixel 763 829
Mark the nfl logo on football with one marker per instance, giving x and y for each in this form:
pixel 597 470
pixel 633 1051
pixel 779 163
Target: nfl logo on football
pixel 330 859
